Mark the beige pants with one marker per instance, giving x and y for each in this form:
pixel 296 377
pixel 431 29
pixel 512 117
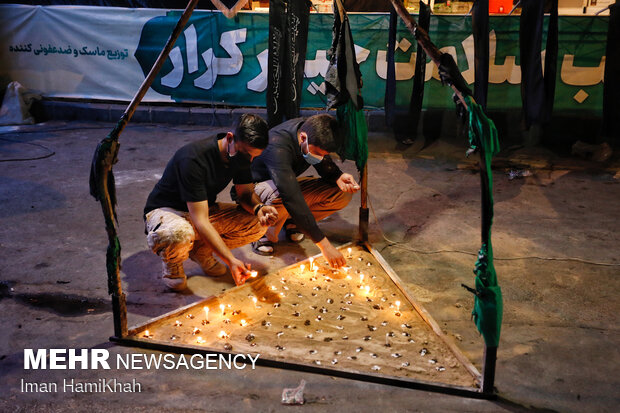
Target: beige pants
pixel 171 235
pixel 322 197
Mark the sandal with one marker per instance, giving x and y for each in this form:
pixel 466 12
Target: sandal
pixel 263 247
pixel 293 234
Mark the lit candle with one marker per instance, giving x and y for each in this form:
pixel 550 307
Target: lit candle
pixel 255 301
pixel 349 251
pixel 146 333
pixel 312 263
pixel 361 277
pixel 348 277
pixel 302 268
pixel 367 289
pixel 253 274
pixel 397 308
pixel 206 313
pixel 222 307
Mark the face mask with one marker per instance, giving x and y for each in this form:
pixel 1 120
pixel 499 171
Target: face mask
pixel 310 157
pixel 232 150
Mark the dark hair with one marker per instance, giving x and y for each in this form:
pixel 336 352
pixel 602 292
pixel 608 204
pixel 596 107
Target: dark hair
pixel 322 131
pixel 253 130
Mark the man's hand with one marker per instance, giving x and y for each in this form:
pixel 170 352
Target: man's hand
pixel 331 254
pixel 267 216
pixel 347 183
pixel 239 271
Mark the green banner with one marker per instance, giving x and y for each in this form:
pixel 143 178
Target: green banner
pixel 221 60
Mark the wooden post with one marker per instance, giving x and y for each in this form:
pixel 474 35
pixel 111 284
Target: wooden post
pixel 488 369
pixel 113 262
pixel 363 224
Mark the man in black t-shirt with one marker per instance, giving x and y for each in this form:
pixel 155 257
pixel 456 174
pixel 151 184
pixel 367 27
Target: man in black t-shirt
pixel 294 146
pixel 183 219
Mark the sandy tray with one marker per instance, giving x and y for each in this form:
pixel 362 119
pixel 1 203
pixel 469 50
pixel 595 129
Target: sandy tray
pixel 357 320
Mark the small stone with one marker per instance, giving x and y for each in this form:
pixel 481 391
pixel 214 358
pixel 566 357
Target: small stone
pixel 432 361
pixel 323 310
pixel 376 307
pixel 190 316
pixel 250 337
pixel 280 334
pixel 307 322
pixel 330 301
pixel 364 318
pixel 406 364
pixel 390 334
pixel 174 337
pixel 337 353
pixel 440 368
pixel 318 318
pixel 371 328
pixel 266 323
pixel 318 331
pixel 368 264
pixel 352 357
pixel 335 361
pixel 384 323
pixel 359 349
pixel 376 368
pixel 296 314
pixel 276 305
pixel 405 325
pixel 317 362
pixel 345 337
pixel 340 327
pixel 279 347
pixel 327 339
pixel 340 317
pixel 373 355
pixel 312 352
pixel 405 334
pixel 310 336
pixel 228 346
pixel 396 355
pixel 367 338
pixel 423 352
pixel 252 344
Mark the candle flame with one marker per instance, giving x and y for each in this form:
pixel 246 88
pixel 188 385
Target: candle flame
pixel 243 323
pixel 302 267
pixel 254 299
pixel 253 274
pixel 398 305
pixel 146 333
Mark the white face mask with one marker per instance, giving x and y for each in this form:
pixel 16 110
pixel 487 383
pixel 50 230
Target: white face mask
pixel 311 158
pixel 232 150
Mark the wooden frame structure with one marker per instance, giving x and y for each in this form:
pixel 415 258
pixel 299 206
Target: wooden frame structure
pixel 106 156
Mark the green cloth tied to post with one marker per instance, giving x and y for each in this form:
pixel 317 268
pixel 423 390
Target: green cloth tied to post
pixel 353 122
pixel 488 303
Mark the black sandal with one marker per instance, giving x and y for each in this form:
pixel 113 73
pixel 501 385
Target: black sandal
pixel 263 242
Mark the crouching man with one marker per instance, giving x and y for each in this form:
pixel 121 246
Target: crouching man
pixel 183 219
pixel 294 146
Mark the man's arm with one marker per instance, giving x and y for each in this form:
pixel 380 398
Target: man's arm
pixel 199 214
pixel 282 174
pixel 267 215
